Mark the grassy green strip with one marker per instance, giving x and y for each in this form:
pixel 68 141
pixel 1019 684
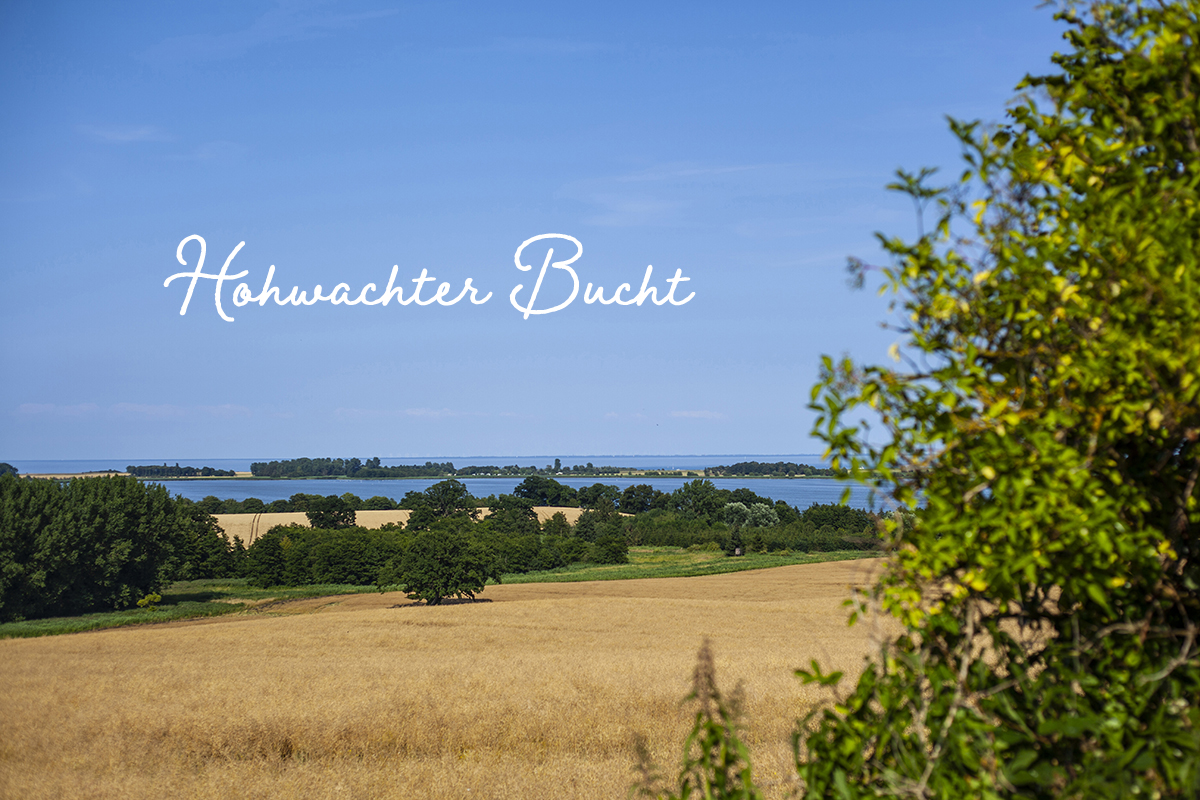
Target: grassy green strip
pixel 210 598
pixel 182 600
pixel 674 562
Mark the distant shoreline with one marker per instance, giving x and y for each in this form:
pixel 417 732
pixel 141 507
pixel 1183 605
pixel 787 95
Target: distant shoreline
pixel 246 476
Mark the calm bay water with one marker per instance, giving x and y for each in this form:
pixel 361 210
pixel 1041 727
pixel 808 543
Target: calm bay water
pixel 799 492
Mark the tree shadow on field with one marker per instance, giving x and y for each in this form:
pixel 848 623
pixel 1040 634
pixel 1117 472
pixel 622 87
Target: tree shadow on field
pixel 446 601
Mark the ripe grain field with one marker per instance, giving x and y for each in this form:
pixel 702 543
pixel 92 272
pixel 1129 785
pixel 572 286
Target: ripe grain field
pixel 536 693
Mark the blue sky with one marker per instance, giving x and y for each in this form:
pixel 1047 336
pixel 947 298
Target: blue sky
pixel 744 146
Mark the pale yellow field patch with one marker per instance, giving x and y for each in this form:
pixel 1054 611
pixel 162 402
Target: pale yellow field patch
pixel 537 693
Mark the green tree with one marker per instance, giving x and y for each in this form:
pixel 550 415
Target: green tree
pixel 610 549
pixel 1048 417
pixel 379 503
pixel 449 498
pixel 7 469
pixel 440 563
pixel 599 495
pixel 642 497
pixel 84 545
pixel 330 512
pixel 513 516
pixel 557 525
pixel 265 560
pixel 545 491
pixel 735 515
pixel 761 515
pixel 698 498
pixel 205 550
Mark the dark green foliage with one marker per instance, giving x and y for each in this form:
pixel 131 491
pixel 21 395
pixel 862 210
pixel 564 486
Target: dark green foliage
pixel 205 550
pixel 778 469
pixel 444 499
pixel 7 469
pixel 755 542
pixel 699 498
pixel 786 513
pixel 513 516
pixel 441 563
pixel 545 492
pixel 838 517
pixel 599 496
pixel 300 501
pixel 642 497
pixel 586 526
pixel 265 559
pixel 211 504
pixel 252 505
pixel 428 470
pixel 747 497
pixel 659 528
pixel 670 529
pixel 178 472
pixel 330 512
pixel 379 503
pixel 350 467
pixel 610 549
pixel 557 525
pixel 96 544
pixel 296 556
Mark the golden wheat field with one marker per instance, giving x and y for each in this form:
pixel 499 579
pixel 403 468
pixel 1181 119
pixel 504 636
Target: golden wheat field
pixel 536 693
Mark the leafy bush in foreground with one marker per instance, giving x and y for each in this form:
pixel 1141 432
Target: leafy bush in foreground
pixel 1050 420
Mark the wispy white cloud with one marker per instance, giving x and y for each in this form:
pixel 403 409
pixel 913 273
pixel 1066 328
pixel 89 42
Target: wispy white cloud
pixel 220 150
pixel 134 410
pixel 225 411
pixel 288 21
pixel 622 211
pixel 744 196
pixel 663 194
pixel 123 134
pixel 146 411
pixel 534 45
pixel 424 413
pixel 697 414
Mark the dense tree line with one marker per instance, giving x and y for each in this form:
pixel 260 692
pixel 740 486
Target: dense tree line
pixel 68 547
pixel 164 471
pixel 557 468
pixel 372 468
pixel 696 514
pixel 91 544
pixel 697 497
pixel 299 502
pixel 780 469
pixel 510 538
pixel 349 467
